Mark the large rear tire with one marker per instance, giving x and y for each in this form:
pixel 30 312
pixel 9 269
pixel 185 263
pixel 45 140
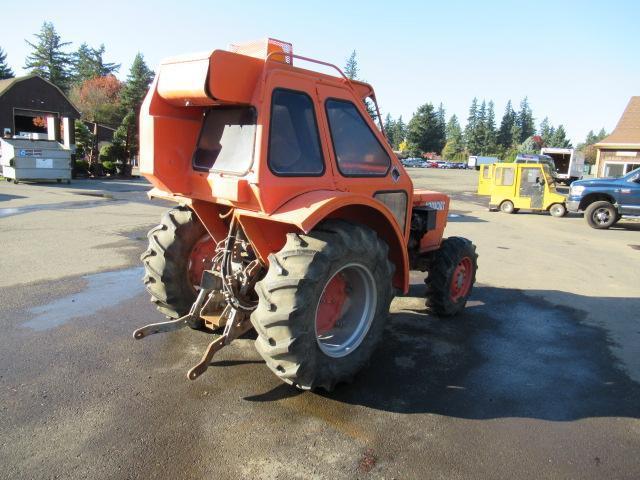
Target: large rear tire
pixel 323 304
pixel 451 276
pixel 169 269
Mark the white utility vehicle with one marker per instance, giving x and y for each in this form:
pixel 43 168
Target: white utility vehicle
pixel 569 163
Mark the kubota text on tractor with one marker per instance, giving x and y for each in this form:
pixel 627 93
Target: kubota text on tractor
pixel 294 216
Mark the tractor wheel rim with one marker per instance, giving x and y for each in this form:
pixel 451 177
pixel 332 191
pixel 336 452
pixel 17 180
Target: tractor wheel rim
pixel 461 279
pixel 200 259
pixel 345 310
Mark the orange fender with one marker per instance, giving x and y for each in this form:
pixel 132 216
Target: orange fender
pixel 267 232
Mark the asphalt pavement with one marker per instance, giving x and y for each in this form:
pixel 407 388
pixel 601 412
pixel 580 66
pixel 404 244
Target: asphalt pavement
pixel 539 378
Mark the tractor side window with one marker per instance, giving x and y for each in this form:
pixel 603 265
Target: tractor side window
pixel 358 151
pixel 226 140
pixel 294 145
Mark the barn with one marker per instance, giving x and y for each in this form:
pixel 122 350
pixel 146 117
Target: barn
pixel 34 108
pixel 619 153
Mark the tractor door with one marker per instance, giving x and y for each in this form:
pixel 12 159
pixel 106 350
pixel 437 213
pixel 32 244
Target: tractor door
pixel 532 186
pixel 485 179
pixel 362 159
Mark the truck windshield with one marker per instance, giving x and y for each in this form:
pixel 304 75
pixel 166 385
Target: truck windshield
pixel 226 140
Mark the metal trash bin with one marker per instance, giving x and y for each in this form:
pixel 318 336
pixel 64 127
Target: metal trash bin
pixel 24 159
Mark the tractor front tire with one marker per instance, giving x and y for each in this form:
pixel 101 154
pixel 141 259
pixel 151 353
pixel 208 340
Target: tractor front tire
pixel 166 261
pixel 451 276
pixel 340 266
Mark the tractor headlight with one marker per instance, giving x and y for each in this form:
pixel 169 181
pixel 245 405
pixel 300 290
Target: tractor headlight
pixel 577 190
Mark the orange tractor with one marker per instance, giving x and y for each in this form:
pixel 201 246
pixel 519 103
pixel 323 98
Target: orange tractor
pixel 294 215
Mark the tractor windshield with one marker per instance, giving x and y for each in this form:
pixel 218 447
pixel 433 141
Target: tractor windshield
pixel 226 140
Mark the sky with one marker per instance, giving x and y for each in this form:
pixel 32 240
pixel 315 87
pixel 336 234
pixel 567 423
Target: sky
pixel 578 62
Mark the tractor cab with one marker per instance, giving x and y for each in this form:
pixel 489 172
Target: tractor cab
pixel 294 215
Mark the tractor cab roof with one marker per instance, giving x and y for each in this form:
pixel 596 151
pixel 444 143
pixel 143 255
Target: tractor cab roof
pixel 232 77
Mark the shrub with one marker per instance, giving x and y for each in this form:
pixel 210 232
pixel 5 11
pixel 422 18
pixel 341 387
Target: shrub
pixel 82 166
pixel 108 166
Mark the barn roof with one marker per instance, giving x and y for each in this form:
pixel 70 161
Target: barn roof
pixel 627 131
pixel 5 86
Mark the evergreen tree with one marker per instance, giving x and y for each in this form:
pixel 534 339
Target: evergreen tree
pixel 489 140
pixel 423 132
pixel 505 134
pixel 136 87
pixel 88 63
pixel 5 69
pixel 351 67
pixel 442 123
pixel 481 128
pixel 546 131
pixel 48 58
pixel 454 130
pixel 470 132
pixel 137 84
pixel 400 133
pixel 525 120
pixel 559 138
pixel 390 130
pixel 454 148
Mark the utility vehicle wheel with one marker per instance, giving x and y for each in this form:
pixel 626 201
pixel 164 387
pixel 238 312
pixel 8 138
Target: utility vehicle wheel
pixel 451 276
pixel 323 304
pixel 557 210
pixel 179 250
pixel 601 215
pixel 507 207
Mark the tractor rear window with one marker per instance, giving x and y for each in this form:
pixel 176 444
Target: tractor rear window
pixel 226 140
pixel 294 145
pixel 358 151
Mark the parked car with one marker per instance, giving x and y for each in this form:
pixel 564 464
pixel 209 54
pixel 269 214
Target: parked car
pixel 412 162
pixel 605 200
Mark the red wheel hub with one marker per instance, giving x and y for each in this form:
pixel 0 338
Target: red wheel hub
pixel 200 258
pixel 331 304
pixel 461 280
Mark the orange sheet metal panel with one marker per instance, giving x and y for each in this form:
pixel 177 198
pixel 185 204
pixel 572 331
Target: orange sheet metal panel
pixel 233 78
pixel 182 81
pixel 440 202
pixel 209 78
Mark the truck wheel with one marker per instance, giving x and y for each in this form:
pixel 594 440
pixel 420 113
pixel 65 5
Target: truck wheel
pixel 179 250
pixel 557 210
pixel 323 304
pixel 601 215
pixel 507 207
pixel 451 276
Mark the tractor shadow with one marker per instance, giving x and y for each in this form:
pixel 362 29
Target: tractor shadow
pixel 507 355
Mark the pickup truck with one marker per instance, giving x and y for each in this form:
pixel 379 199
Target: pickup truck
pixel 605 200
